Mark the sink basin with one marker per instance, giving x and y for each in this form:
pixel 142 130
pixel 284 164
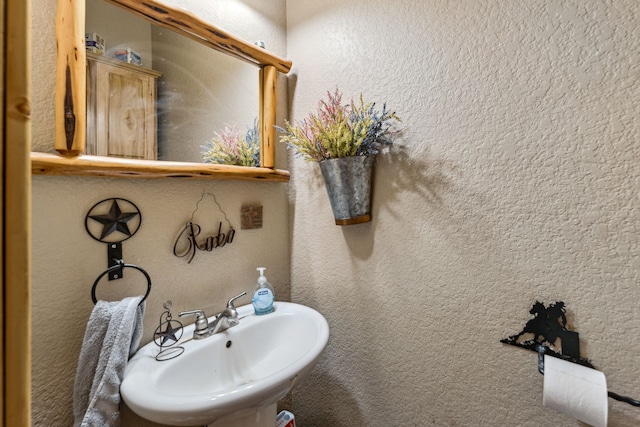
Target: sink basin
pixel 230 375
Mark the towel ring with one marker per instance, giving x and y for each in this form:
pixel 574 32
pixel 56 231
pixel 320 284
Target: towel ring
pixel 119 266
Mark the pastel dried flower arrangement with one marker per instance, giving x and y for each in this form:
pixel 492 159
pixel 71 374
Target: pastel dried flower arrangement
pixel 340 130
pixel 231 147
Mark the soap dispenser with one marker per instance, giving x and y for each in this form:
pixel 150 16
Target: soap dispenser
pixel 263 296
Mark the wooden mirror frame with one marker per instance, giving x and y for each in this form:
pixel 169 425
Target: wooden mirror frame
pixel 70 99
pixel 15 183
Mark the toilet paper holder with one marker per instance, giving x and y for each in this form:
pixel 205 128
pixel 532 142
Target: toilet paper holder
pixel 541 334
pixel 542 350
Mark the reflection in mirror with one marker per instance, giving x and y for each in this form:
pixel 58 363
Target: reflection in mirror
pixel 70 99
pixel 199 93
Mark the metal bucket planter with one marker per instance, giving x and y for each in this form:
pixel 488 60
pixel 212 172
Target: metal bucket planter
pixel 348 182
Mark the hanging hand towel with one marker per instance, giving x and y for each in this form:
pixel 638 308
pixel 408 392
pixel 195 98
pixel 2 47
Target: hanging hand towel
pixel 112 336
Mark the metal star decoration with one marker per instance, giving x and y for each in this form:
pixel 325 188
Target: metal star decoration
pixel 115 220
pixel 169 333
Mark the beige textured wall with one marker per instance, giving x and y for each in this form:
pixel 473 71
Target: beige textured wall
pixel 66 261
pixel 519 182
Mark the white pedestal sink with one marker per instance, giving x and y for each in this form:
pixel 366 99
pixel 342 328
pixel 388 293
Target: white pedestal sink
pixel 233 378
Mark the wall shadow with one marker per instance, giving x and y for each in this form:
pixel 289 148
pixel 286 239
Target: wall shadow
pixel 398 172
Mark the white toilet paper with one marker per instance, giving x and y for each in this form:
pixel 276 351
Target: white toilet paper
pixel 575 390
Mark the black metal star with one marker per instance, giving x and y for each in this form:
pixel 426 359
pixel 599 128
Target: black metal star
pixel 115 220
pixel 169 333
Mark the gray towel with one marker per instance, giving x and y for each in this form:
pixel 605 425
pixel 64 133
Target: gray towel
pixel 112 336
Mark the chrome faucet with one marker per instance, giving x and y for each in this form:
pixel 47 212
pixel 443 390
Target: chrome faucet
pixel 222 321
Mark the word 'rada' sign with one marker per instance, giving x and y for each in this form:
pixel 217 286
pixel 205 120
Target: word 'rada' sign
pixel 189 244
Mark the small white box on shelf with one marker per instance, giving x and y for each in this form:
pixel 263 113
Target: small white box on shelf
pixel 127 55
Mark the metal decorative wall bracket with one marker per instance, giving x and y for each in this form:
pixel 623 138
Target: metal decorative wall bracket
pixel 187 243
pixel 114 254
pixel 547 334
pixel 112 221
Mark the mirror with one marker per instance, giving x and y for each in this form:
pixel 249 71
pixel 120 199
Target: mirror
pixel 71 98
pixel 199 93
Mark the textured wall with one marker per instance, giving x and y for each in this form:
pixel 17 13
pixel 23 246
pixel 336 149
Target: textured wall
pixel 516 179
pixel 66 261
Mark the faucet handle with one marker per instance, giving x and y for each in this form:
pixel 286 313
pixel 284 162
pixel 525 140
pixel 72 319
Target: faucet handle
pixel 201 319
pixel 230 303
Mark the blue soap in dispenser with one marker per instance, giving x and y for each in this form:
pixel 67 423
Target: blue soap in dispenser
pixel 263 296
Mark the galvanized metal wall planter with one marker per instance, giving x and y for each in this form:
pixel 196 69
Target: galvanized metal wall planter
pixel 343 139
pixel 348 182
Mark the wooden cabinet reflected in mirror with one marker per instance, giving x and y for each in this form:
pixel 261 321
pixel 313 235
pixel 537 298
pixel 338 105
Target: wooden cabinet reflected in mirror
pixel 121 109
pixel 70 101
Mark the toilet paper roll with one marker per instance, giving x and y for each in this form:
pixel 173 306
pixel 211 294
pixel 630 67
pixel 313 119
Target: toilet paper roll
pixel 575 390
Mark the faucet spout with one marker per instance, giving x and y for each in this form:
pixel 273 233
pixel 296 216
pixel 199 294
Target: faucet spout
pixel 224 320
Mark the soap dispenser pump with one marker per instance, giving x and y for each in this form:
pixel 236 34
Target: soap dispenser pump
pixel 263 296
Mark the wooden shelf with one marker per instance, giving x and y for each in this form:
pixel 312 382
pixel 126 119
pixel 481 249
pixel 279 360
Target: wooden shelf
pixel 94 166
